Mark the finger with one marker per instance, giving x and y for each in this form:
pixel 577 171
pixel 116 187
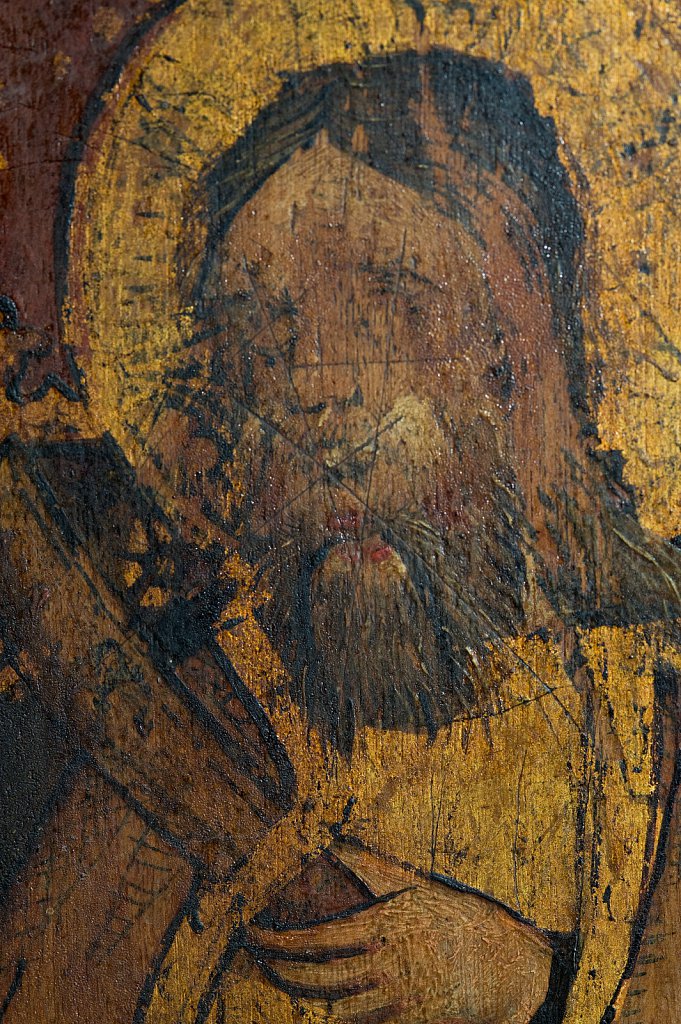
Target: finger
pixel 359 932
pixel 380 875
pixel 301 981
pixel 376 1006
pixel 345 975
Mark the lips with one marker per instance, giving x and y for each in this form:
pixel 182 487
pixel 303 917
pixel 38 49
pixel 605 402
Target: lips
pixel 376 550
pixel 373 550
pixel 353 543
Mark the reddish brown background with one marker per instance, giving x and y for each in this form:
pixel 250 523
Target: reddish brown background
pixel 52 55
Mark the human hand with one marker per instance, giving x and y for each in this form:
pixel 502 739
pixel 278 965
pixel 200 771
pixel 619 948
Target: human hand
pixel 422 953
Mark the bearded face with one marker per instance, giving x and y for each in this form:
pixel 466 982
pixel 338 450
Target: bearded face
pixel 370 393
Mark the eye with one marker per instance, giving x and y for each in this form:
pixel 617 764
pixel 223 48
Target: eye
pixel 269 357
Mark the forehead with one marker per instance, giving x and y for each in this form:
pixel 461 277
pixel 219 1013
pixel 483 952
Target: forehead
pixel 325 211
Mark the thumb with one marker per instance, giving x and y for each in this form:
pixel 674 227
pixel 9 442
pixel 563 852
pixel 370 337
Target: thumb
pixel 381 875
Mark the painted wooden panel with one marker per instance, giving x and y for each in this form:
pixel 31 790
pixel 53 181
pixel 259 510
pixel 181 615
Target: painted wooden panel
pixel 340 512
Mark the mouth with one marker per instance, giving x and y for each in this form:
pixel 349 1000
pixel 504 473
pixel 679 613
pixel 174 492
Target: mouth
pixel 353 539
pixel 355 551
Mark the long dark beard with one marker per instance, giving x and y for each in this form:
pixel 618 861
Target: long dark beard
pixel 403 649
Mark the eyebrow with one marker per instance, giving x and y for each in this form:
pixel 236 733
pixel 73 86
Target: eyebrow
pixel 283 303
pixel 278 303
pixel 277 306
pixel 385 273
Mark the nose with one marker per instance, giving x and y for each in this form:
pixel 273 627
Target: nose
pixel 344 393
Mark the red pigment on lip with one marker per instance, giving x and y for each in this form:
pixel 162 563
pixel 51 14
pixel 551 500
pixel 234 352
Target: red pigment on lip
pixel 381 554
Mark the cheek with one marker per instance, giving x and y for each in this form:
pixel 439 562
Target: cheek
pixel 267 392
pixel 462 489
pixel 268 474
pixel 445 507
pixel 200 457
